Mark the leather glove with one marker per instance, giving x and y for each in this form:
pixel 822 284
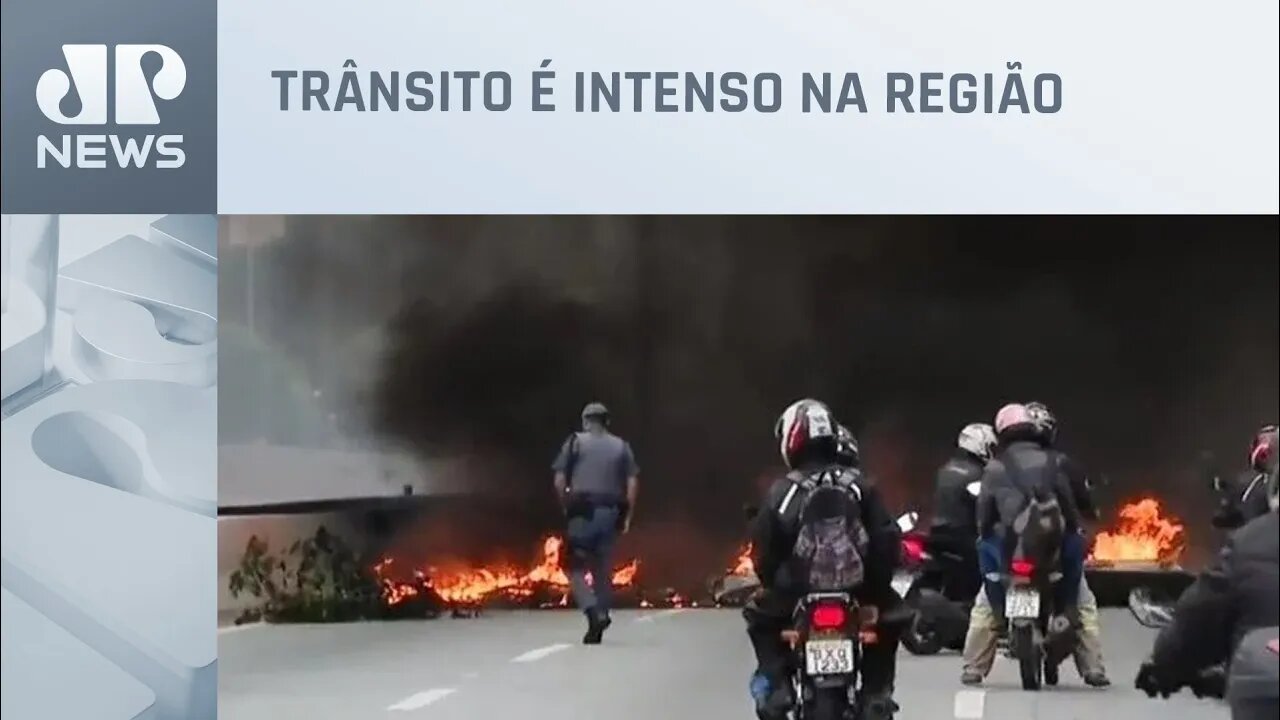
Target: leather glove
pixel 1152 681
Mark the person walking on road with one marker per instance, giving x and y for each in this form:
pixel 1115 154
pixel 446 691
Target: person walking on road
pixel 596 480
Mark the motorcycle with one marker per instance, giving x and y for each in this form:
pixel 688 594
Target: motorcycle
pixel 828 633
pixel 1147 610
pixel 1039 639
pixel 1156 613
pixel 1250 691
pixel 938 622
pixel 940 592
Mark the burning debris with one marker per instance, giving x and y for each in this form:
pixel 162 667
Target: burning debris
pixel 1142 535
pixel 544 585
pixel 738 582
pixel 744 566
pixel 322 580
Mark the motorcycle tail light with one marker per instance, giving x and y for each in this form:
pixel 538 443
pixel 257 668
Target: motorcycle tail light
pixel 1022 568
pixel 912 549
pixel 828 617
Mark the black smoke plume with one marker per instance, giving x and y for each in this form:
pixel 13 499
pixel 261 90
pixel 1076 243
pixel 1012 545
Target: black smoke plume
pixel 1152 339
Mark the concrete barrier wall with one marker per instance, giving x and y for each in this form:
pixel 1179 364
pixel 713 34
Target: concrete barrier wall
pixel 261 475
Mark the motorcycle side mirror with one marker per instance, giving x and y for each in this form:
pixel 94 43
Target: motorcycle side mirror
pixel 1149 611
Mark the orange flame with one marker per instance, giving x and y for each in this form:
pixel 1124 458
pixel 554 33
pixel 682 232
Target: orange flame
pixel 1142 534
pixel 458 585
pixel 743 565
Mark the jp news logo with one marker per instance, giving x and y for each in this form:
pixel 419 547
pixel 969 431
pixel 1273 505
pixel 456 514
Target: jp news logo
pixel 134 104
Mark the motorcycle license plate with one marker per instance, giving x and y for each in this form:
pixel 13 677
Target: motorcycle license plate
pixel 1022 604
pixel 828 657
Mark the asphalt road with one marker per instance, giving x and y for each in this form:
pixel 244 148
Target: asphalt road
pixel 657 664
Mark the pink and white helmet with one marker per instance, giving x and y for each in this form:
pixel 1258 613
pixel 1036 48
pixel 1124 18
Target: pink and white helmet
pixel 1011 415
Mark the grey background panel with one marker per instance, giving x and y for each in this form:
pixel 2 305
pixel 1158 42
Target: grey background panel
pixel 51 674
pixel 196 235
pixel 109 487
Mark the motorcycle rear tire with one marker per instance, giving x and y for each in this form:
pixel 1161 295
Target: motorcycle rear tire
pixel 828 704
pixel 1023 644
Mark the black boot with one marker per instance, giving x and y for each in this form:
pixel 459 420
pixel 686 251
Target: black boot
pixel 596 624
pixel 878 707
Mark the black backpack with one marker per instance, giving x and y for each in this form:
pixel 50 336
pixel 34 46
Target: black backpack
pixel 1040 526
pixel 831 538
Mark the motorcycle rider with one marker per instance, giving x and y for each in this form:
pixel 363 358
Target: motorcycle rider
pixel 1088 652
pixel 808 437
pixel 1238 593
pixel 847 453
pixel 1246 497
pixel 1021 466
pixel 954 528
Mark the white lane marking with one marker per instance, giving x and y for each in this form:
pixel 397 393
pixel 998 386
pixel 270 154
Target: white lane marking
pixel 661 614
pixel 237 628
pixel 539 653
pixel 970 704
pixel 422 699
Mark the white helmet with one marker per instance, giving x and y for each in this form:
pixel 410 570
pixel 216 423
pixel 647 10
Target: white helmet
pixel 978 439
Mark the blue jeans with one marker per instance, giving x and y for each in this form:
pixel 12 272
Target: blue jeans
pixel 591 539
pixel 1066 592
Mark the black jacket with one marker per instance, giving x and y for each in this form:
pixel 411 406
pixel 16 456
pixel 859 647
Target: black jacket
pixel 1242 500
pixel 1081 489
pixel 1020 467
pixel 773 536
pixel 955 509
pixel 1239 592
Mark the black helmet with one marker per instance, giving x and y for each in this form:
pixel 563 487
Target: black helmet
pixel 1045 423
pixel 806 432
pixel 847 448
